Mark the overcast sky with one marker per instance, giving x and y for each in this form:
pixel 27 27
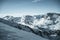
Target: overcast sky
pixel 31 7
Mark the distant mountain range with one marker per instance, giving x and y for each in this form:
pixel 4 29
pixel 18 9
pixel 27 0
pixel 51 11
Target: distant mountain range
pixel 51 19
pixel 43 25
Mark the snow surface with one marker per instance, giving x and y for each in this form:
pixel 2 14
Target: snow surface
pixel 9 33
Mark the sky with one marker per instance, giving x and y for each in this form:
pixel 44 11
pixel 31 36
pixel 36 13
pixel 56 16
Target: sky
pixel 28 7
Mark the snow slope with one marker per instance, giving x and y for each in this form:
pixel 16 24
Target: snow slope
pixel 9 33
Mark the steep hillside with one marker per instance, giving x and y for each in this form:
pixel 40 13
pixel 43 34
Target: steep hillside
pixel 10 33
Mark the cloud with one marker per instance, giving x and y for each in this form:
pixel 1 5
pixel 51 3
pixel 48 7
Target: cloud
pixel 36 0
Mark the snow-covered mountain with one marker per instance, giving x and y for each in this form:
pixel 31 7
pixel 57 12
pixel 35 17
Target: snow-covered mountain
pixel 43 21
pixel 11 18
pixel 47 26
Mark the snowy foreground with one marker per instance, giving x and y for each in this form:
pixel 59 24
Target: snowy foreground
pixel 9 33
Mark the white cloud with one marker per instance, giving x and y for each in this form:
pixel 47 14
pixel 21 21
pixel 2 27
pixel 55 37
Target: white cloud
pixel 36 0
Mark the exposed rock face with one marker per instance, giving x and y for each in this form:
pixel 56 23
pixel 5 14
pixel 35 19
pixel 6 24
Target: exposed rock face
pixel 29 19
pixel 11 18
